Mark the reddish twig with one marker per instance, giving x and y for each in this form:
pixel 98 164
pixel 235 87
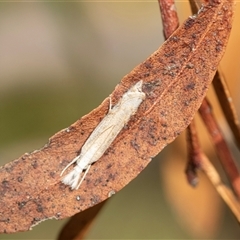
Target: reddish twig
pixel 198 160
pixel 169 17
pixel 222 149
pixel 229 110
pixel 194 161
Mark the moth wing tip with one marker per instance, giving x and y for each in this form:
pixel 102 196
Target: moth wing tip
pixel 72 179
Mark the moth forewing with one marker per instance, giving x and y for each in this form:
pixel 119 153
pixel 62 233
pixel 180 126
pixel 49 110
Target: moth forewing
pixel 104 134
pixel 93 152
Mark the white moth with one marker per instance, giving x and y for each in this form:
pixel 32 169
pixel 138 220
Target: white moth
pixel 104 134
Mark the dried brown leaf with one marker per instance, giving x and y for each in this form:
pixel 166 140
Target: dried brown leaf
pixel 176 78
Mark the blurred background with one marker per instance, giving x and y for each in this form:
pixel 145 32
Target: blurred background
pixel 58 61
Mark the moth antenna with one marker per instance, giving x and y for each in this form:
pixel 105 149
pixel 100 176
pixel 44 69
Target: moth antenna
pixel 73 177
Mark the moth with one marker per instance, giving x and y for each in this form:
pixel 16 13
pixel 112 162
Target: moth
pixel 104 134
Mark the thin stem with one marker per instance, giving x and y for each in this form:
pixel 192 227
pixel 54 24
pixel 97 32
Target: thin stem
pixel 169 17
pixel 221 147
pixel 198 160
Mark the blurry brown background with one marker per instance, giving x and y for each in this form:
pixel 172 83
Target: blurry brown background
pixel 58 61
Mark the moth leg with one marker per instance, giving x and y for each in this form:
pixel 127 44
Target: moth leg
pixel 85 173
pixel 73 161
